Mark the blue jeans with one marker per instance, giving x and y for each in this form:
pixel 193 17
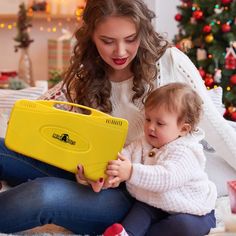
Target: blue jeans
pixel 146 220
pixel 44 194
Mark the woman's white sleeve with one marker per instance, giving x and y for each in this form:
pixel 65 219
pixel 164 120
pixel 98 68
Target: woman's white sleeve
pixel 219 134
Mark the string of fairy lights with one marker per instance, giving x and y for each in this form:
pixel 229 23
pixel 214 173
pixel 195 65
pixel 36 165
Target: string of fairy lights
pixel 48 23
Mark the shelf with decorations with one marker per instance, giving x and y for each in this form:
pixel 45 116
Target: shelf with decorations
pixel 41 16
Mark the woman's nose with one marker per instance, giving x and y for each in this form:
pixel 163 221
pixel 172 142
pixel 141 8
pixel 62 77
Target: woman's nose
pixel 120 50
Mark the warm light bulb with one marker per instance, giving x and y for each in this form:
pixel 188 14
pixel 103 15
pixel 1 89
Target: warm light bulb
pixel 228 88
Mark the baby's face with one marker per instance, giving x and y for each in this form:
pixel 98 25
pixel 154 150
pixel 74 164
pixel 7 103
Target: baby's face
pixel 161 126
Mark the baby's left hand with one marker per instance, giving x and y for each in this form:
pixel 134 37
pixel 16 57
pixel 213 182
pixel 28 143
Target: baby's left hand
pixel 120 169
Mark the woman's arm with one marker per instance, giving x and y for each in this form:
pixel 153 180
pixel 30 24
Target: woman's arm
pixel 175 66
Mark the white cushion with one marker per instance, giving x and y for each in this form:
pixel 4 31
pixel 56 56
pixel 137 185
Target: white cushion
pixel 9 97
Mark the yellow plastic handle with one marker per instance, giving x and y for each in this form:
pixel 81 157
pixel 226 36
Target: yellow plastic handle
pixel 52 103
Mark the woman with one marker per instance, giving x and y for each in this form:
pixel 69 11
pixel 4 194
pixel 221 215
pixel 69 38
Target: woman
pixel 118 60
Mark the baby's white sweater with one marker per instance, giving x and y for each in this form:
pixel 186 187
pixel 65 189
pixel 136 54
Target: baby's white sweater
pixel 173 179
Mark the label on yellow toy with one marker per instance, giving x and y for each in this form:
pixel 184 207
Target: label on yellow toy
pixel 40 130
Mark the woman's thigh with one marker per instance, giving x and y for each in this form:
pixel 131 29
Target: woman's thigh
pixel 184 225
pixel 62 202
pixel 16 168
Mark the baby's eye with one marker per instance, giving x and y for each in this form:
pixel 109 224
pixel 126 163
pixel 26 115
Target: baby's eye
pixel 160 123
pixel 147 120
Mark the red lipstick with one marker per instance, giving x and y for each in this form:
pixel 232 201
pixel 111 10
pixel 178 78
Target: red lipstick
pixel 119 61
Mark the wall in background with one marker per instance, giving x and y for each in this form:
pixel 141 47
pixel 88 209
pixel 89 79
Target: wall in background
pixel 164 23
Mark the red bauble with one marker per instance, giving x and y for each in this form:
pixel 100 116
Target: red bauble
pixel 233 116
pixel 178 17
pixel 233 79
pixel 207 29
pixel 202 72
pixel 226 2
pixel 198 14
pixel 209 81
pixel 225 28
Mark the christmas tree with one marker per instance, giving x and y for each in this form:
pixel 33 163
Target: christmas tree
pixel 207 34
pixel 23 23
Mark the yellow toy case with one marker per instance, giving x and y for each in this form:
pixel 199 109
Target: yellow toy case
pixel 40 130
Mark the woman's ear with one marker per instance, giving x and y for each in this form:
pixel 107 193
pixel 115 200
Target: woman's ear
pixel 185 129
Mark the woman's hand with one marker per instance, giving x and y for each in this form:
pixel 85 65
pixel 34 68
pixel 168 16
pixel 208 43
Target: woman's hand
pixel 119 170
pixel 96 185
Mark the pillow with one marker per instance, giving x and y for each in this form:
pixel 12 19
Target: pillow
pixel 9 97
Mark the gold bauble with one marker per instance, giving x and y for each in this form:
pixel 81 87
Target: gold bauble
pixel 231 109
pixel 209 38
pixel 185 44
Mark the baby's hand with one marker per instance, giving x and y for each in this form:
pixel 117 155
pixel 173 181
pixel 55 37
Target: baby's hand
pixel 120 169
pixel 108 184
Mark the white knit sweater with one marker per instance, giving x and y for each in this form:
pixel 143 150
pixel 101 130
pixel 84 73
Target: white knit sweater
pixel 173 179
pixel 173 66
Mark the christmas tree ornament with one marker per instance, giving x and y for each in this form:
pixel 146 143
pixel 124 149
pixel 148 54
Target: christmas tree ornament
pixel 230 59
pixel 201 54
pixel 218 10
pixel 198 14
pixel 202 72
pixel 193 21
pixel 226 2
pixel 209 81
pixel 207 29
pixel 209 38
pixel 226 28
pixel 231 109
pixel 185 44
pixel 233 79
pixel 178 17
pixel 233 116
pixel 218 75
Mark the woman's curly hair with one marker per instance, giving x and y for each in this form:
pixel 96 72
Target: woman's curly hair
pixel 86 79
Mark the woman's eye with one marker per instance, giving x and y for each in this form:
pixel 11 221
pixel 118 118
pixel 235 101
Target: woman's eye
pixel 107 41
pixel 131 40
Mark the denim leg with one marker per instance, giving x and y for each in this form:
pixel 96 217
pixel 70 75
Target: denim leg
pixel 140 217
pixel 62 202
pixel 16 168
pixel 184 225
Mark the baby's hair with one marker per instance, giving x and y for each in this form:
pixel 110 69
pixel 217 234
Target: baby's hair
pixel 178 98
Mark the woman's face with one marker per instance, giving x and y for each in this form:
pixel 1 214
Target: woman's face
pixel 117 41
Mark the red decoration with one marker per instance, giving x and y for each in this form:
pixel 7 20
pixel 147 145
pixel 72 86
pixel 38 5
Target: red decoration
pixel 202 72
pixel 233 79
pixel 198 14
pixel 209 81
pixel 230 59
pixel 225 28
pixel 226 2
pixel 231 185
pixel 207 29
pixel 178 17
pixel 233 116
